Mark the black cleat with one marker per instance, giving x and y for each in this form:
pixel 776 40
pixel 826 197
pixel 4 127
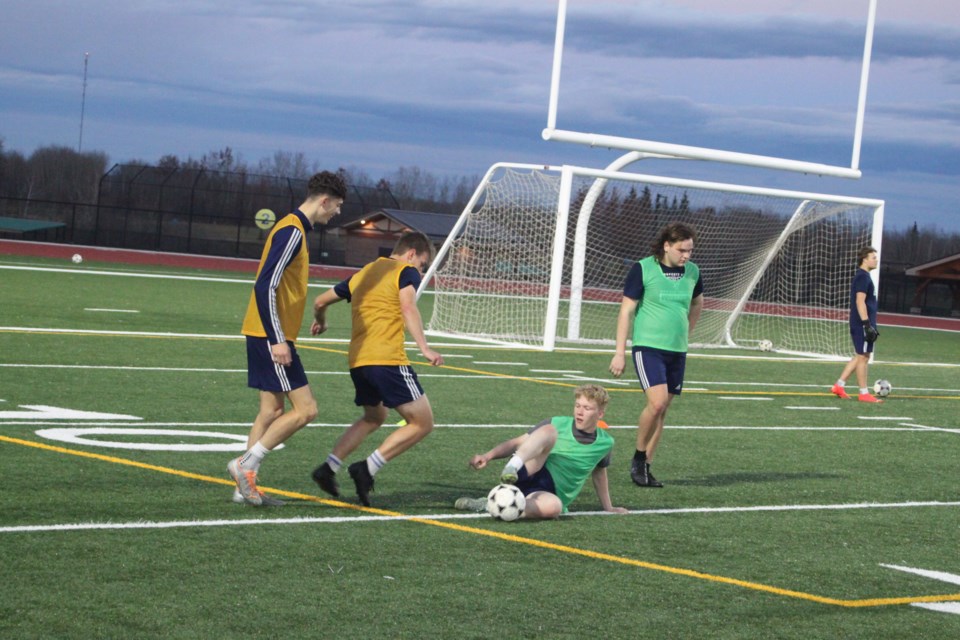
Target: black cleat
pixel 327 479
pixel 640 473
pixel 364 481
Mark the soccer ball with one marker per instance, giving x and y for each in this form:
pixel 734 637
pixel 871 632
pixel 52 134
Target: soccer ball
pixel 506 502
pixel 882 388
pixel 765 345
pixel 77 258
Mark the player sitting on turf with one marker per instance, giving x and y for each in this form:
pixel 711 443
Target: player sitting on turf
pixel 551 462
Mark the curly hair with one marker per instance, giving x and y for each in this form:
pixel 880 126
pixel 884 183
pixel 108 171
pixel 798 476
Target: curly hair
pixel 327 183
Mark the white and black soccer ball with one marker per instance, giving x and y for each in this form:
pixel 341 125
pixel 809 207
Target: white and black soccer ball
pixel 77 258
pixel 765 345
pixel 882 388
pixel 506 502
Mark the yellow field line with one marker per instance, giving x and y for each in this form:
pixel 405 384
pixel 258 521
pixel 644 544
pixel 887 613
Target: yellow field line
pixel 871 602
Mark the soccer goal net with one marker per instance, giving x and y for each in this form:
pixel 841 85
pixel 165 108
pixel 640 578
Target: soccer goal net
pixel 539 256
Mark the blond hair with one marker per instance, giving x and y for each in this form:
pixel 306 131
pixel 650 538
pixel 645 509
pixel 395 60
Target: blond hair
pixel 593 392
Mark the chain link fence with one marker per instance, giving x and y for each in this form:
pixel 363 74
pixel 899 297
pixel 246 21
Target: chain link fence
pixel 192 210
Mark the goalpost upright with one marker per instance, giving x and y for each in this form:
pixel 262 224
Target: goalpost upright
pixel 520 268
pixel 512 271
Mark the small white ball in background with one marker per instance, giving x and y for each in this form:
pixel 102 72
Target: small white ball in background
pixel 765 345
pixel 77 258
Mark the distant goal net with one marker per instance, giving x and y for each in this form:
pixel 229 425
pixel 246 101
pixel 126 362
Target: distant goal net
pixel 539 256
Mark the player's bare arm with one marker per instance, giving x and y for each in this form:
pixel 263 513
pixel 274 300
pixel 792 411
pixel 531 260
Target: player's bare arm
pixel 602 486
pixel 504 449
pixel 693 316
pixel 628 308
pixel 324 300
pixel 414 325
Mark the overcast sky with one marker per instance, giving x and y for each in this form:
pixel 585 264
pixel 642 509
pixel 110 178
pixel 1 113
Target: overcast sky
pixel 454 86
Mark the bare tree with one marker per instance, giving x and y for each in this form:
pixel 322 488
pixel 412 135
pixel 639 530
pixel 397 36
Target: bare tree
pixel 286 164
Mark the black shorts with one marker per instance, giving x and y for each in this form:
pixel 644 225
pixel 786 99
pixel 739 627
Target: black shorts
pixel 860 345
pixel 655 367
pixel 265 374
pixel 540 481
pixel 393 385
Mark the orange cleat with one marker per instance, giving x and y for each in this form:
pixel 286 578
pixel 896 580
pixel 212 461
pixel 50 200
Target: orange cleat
pixel 840 392
pixel 866 397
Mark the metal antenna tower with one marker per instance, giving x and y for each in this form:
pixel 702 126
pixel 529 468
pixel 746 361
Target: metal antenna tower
pixel 83 100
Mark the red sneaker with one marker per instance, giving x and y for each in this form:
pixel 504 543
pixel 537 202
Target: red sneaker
pixel 839 391
pixel 866 397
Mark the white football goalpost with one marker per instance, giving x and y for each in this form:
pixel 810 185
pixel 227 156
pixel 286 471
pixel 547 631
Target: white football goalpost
pixel 539 256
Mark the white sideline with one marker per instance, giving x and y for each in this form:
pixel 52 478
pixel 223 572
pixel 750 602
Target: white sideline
pixel 87 526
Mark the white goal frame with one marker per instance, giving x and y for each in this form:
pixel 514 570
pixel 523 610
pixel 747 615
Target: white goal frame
pixel 701 153
pixel 555 288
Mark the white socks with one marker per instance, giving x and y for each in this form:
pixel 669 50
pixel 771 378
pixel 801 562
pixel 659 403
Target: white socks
pixel 252 458
pixel 375 462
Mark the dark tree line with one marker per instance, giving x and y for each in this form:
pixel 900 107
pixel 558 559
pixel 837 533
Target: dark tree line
pixel 59 173
pixel 63 174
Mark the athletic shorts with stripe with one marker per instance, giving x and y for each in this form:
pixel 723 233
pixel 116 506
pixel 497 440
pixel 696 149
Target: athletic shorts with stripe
pixel 860 346
pixel 393 385
pixel 265 374
pixel 655 366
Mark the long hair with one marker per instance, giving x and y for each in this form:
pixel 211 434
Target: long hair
pixel 673 232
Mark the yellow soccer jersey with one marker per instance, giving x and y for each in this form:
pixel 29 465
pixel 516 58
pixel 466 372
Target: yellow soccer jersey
pixel 378 328
pixel 275 310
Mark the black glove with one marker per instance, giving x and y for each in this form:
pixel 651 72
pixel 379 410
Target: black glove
pixel 870 333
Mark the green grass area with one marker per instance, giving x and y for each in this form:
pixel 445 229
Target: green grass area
pixel 781 502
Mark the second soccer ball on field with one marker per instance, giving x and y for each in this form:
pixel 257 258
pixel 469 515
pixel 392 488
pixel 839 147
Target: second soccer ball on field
pixel 765 345
pixel 506 502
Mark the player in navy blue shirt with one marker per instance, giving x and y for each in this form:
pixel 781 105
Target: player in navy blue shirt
pixel 863 326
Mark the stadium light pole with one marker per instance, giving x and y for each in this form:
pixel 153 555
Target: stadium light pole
pixel 83 100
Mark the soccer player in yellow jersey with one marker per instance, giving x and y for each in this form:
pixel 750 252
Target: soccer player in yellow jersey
pixel 383 298
pixel 272 322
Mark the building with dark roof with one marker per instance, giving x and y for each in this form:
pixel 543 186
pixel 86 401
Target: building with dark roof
pixel 374 235
pixel 944 272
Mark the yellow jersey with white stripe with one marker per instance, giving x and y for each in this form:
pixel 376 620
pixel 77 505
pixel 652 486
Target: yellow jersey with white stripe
pixel 279 296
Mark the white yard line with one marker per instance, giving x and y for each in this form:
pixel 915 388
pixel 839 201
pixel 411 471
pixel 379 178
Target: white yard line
pixel 172 524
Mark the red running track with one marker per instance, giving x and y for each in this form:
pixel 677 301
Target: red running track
pixel 131 256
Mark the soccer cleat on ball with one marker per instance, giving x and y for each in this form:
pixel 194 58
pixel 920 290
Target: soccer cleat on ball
pixel 882 388
pixel 506 502
pixel 765 345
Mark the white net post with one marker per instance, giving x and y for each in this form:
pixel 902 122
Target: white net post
pixel 776 264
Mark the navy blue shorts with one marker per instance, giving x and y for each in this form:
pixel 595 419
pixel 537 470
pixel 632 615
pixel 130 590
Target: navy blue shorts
pixel 392 385
pixel 540 481
pixel 654 367
pixel 860 346
pixel 265 374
